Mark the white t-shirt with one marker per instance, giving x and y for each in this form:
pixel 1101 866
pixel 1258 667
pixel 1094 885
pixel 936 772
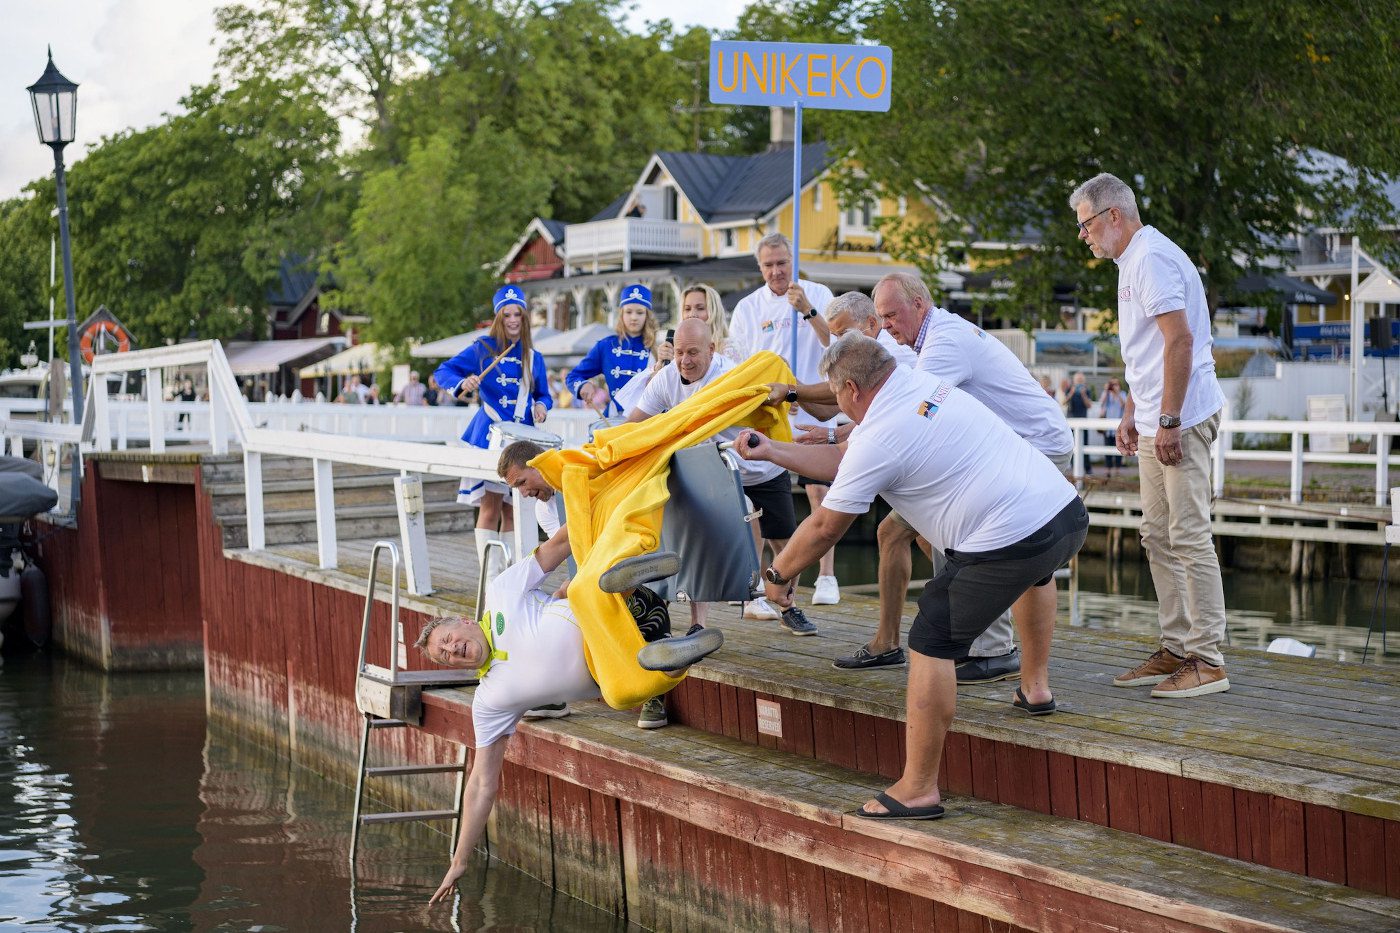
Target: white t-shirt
pixel 544 648
pixel 983 367
pixel 666 391
pixel 903 356
pixel 764 321
pixel 960 476
pixel 547 515
pixel 1156 277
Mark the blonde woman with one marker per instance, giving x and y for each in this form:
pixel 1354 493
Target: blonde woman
pixel 617 357
pixel 704 302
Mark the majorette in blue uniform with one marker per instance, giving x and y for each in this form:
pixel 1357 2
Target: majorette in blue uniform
pixel 500 391
pixel 616 357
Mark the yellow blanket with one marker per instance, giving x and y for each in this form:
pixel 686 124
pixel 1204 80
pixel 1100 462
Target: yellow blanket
pixel 615 490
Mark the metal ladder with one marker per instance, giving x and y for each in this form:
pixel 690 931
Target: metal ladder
pixel 392 698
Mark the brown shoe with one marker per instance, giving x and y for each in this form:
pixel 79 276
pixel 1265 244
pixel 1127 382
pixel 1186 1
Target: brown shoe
pixel 1159 665
pixel 1193 679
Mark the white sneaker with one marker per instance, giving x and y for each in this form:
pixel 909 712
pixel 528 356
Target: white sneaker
pixel 827 592
pixel 759 610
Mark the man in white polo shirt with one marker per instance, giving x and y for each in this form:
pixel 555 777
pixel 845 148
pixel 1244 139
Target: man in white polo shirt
pixel 764 320
pixel 767 485
pixel 1170 421
pixel 1003 515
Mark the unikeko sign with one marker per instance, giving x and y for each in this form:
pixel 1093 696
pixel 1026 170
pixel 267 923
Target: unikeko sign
pixel 781 74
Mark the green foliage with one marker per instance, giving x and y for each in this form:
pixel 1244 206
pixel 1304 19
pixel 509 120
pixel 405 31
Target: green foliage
pixel 412 261
pixel 24 276
pixel 1002 106
pixel 180 227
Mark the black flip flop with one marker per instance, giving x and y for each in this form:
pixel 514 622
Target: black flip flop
pixel 898 811
pixel 1035 709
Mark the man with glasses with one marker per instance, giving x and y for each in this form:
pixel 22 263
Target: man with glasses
pixel 1169 422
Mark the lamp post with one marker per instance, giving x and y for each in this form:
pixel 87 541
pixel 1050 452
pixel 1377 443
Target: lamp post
pixel 55 100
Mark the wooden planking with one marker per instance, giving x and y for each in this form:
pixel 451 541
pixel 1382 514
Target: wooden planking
pixel 608 742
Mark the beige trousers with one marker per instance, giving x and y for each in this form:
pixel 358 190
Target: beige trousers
pixel 1180 549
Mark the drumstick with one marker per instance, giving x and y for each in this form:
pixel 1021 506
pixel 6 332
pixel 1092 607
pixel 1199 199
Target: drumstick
pixel 482 375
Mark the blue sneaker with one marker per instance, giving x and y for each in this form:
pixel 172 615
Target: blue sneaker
pixel 796 622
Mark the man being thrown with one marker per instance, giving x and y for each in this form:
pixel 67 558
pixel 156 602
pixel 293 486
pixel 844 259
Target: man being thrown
pixel 1002 513
pixel 767 485
pixel 954 349
pixel 530 653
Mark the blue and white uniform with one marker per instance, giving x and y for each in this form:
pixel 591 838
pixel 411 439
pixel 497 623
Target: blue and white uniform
pixel 617 359
pixel 499 394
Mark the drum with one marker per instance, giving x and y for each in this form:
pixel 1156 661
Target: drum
pixel 602 423
pixel 504 433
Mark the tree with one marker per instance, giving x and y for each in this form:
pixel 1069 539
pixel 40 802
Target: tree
pixel 1001 107
pixel 24 275
pixel 420 254
pixel 181 226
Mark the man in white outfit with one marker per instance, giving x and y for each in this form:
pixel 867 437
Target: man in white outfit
pixel 1170 421
pixel 765 320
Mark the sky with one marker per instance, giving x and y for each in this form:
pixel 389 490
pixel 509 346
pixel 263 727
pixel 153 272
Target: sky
pixel 134 59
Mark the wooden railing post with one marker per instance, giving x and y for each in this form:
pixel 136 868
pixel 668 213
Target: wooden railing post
pixel 1295 469
pixel 253 500
pixel 325 515
pixel 155 399
pixel 408 490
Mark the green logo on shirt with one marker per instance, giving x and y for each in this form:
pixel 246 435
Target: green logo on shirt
pixel 500 623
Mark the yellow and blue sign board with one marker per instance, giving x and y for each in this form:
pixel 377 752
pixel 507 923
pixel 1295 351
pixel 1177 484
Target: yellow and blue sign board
pixel 781 74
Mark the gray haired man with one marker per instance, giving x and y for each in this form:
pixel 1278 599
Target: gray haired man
pixel 1170 421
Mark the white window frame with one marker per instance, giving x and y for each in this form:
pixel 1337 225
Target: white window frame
pixel 857 222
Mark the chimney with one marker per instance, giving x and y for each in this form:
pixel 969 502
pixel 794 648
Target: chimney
pixel 779 128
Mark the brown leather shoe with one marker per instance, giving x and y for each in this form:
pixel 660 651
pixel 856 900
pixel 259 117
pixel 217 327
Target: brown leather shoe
pixel 1193 679
pixel 1159 665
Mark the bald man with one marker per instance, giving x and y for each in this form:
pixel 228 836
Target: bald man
pixel 767 485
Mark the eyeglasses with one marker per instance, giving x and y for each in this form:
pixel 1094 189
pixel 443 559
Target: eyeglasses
pixel 1084 224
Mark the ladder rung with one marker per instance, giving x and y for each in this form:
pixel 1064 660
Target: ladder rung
pixel 413 769
pixel 386 723
pixel 408 816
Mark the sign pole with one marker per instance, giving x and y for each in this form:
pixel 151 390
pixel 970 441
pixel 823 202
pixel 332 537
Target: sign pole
pixel 796 214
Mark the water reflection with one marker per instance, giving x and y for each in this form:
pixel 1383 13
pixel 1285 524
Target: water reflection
pixel 119 810
pixel 1332 615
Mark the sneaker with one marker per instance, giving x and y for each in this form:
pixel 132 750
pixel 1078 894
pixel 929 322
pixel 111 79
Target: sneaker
pixel 695 627
pixel 653 715
pixel 1161 663
pixel 827 592
pixel 675 654
pixel 760 610
pixel 796 622
pixel 864 658
pixel 634 571
pixel 548 711
pixel 1193 678
pixel 990 670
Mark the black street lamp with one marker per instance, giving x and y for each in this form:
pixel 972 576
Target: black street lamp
pixel 55 101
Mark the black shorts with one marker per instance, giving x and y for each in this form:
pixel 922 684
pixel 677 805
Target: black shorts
pixel 805 481
pixel 774 497
pixel 976 587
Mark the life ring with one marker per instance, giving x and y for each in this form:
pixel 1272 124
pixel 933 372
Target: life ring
pixel 88 341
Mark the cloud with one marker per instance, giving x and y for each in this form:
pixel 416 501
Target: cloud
pixel 132 59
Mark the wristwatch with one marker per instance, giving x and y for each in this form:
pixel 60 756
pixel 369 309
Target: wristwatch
pixel 773 577
pixel 831 435
pixel 1169 421
pixel 791 396
pixel 809 315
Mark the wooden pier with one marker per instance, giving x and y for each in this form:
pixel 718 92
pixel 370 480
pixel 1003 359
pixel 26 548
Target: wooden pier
pixel 1274 806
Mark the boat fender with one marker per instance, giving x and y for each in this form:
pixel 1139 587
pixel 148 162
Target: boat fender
pixel 34 604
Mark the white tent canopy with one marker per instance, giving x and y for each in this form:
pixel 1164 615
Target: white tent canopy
pixel 448 347
pixel 576 342
pixel 268 356
pixel 367 357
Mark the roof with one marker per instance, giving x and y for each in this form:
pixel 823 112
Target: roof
pixel 296 276
pixel 554 228
pixel 725 188
pixel 614 209
pixel 268 356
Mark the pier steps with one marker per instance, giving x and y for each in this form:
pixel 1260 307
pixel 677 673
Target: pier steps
pixel 365 504
pixel 713 827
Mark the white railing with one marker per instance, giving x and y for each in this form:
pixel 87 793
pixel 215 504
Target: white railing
pixel 627 236
pixel 1296 456
pixel 286 429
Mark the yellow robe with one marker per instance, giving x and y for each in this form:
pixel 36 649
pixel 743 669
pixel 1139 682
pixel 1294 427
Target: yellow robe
pixel 615 490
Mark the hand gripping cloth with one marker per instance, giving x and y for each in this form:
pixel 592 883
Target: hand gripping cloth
pixel 615 489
